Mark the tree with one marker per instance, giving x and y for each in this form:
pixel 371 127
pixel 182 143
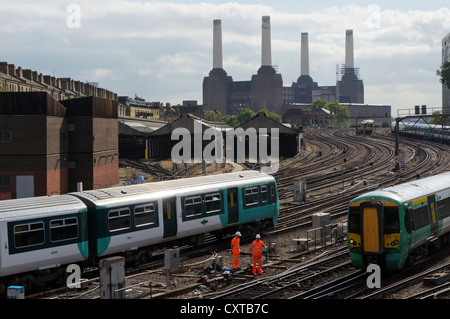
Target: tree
pixel 444 74
pixel 272 115
pixel 3 87
pixel 210 115
pixel 436 120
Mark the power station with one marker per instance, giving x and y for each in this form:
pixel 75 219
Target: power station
pixel 265 89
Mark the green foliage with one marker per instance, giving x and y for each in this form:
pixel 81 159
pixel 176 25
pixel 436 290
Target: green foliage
pixel 444 74
pixel 341 111
pixel 244 115
pixel 3 85
pixel 436 120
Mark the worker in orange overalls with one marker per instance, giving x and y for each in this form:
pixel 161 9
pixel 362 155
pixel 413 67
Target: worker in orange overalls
pixel 257 248
pixel 236 250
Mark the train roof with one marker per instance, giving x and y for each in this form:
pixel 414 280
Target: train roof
pixel 412 190
pixel 34 206
pixel 172 187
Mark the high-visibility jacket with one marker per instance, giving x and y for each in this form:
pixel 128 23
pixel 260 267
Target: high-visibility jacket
pixel 257 247
pixel 235 243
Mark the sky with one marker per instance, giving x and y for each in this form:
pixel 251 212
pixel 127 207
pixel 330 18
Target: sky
pixel 162 50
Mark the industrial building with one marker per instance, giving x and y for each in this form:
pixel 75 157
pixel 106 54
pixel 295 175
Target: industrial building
pixel 48 146
pixel 446 90
pixel 349 87
pixel 301 114
pixel 263 91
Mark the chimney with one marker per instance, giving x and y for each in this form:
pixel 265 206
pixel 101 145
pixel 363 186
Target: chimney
pixel 349 62
pixel 217 45
pixel 304 68
pixel 266 50
pixel 12 69
pixel 4 68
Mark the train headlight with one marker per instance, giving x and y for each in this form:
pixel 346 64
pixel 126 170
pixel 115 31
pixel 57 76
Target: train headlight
pixel 352 242
pixel 395 243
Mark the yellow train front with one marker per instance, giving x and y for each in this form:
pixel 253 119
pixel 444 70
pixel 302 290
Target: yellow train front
pixel 394 226
pixel 366 127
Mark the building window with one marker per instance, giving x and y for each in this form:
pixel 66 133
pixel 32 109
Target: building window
pixel 5 180
pixel 5 136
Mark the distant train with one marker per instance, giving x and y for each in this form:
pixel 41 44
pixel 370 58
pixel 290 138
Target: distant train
pixel 425 131
pixel 38 236
pixel 395 226
pixel 365 127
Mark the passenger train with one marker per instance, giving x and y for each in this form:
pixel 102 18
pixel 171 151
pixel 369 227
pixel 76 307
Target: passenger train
pixel 38 236
pixel 395 226
pixel 425 131
pixel 366 127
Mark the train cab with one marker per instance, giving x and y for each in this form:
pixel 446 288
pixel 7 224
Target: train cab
pixel 374 234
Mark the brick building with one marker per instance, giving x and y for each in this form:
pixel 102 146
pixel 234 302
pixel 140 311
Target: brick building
pixel 47 147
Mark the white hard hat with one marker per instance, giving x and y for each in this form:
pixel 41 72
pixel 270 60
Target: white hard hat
pixel 238 233
pixel 257 236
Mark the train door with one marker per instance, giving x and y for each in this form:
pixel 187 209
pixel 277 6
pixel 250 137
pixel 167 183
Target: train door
pixel 233 207
pixel 170 217
pixel 371 228
pixel 432 214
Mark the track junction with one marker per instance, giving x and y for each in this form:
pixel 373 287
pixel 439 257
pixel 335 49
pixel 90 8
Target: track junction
pixel 337 166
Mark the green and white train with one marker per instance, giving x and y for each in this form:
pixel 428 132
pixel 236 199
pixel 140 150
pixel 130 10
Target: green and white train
pixel 394 226
pixel 39 236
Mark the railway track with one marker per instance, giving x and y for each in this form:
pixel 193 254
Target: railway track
pixel 291 281
pixel 367 159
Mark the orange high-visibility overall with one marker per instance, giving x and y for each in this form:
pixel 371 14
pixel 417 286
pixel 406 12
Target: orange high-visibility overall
pixel 257 247
pixel 235 249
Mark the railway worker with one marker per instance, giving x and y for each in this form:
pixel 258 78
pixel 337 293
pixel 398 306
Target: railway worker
pixel 257 248
pixel 236 250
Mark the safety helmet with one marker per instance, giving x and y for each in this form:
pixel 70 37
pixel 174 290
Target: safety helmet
pixel 238 233
pixel 257 236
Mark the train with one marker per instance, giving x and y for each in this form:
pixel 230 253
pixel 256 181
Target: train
pixel 40 236
pixel 365 127
pixel 396 226
pixel 440 133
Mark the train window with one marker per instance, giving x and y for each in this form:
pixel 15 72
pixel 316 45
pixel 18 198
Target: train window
pixel 63 229
pixel 119 219
pixel 391 221
pixel 251 196
pixel 264 195
pixel 273 194
pixel 420 217
pixel 144 215
pixel 213 203
pixel 354 220
pixel 29 234
pixel 444 208
pixel 193 206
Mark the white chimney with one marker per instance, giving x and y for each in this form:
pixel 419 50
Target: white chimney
pixel 349 62
pixel 266 50
pixel 304 67
pixel 217 45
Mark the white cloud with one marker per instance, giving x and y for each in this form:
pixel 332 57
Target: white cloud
pixel 162 50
